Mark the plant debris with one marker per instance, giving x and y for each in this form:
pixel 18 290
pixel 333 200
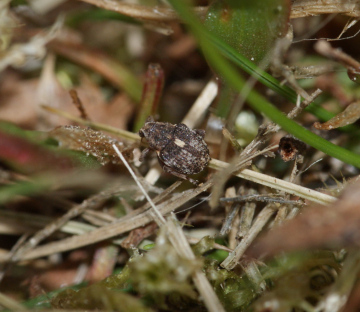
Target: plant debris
pixel 234 87
pixel 350 115
pixel 91 142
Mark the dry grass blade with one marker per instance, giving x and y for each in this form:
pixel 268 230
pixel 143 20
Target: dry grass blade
pixel 302 8
pixel 81 209
pixel 89 203
pixel 11 304
pixel 232 260
pixel 17 223
pixel 239 163
pixel 98 126
pixel 181 245
pixel 197 112
pixel 246 219
pixel 247 174
pixel 111 69
pixel 157 14
pixel 123 225
pixel 78 104
pixel 277 184
pixel 158 217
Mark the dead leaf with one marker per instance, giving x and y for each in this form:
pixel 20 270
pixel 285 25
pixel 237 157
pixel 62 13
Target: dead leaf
pixel 17 100
pixel 104 261
pixel 136 236
pixel 346 117
pixel 89 141
pixel 31 157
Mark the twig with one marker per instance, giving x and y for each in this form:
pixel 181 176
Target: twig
pixel 247 216
pixel 352 65
pixel 277 184
pixel 283 210
pixel 231 211
pixel 78 104
pixel 260 198
pixel 7 266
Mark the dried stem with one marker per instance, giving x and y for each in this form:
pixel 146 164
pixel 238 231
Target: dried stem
pixel 259 198
pixel 181 245
pixel 78 104
pixel 247 174
pixel 252 271
pixel 183 248
pixel 246 219
pixel 283 210
pixel 239 163
pixel 302 8
pixel 131 221
pixel 232 260
pixel 49 229
pixel 95 125
pixel 327 50
pixel 232 211
pixel 148 13
pixel 277 184
pixel 198 110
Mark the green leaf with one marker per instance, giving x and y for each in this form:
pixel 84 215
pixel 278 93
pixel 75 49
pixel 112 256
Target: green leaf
pixel 255 100
pixel 250 27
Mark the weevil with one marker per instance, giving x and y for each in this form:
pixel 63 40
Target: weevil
pixel 181 151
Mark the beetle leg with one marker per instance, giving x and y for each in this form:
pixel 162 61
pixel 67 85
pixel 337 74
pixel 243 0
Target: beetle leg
pixel 180 175
pixel 144 153
pixel 200 132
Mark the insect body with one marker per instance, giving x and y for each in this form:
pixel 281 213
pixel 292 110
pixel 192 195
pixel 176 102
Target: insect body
pixel 180 150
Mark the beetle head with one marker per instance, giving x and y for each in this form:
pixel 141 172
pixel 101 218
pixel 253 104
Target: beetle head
pixel 145 131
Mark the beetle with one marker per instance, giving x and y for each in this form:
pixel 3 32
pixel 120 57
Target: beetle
pixel 181 151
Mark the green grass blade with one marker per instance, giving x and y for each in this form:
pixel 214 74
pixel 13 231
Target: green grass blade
pixel 255 100
pixel 263 77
